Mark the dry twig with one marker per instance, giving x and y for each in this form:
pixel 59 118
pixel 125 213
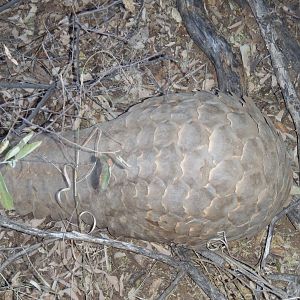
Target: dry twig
pixel 271 231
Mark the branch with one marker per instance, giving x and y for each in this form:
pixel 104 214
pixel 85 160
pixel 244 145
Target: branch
pixel 271 228
pixel 228 67
pixel 172 286
pixel 38 107
pixel 23 85
pixel 8 5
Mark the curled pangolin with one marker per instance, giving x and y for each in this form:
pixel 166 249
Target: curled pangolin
pixel 183 168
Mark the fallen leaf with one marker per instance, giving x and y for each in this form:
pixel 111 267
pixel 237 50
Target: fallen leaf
pixel 176 15
pixel 9 56
pixel 245 53
pixel 129 5
pixel 6 199
pixel 160 248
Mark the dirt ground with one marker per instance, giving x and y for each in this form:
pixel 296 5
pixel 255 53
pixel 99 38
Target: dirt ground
pixel 107 56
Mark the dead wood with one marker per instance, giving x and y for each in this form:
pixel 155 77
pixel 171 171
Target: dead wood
pixel 8 5
pixel 288 45
pixel 227 65
pixel 271 229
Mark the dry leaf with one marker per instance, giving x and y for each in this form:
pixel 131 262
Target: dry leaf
pixel 122 285
pixel 176 15
pixel 279 116
pixel 113 280
pixel 35 284
pixel 239 23
pixel 129 5
pixel 132 294
pixel 139 40
pixel 154 288
pixel 9 56
pixel 36 222
pixel 274 81
pixel 161 249
pixel 180 87
pixel 101 296
pixel 265 78
pixel 208 84
pixel 245 53
pixel 279 251
pixel 119 255
pixel 281 127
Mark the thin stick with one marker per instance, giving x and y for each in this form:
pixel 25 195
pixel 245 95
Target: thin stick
pixel 271 228
pixel 166 293
pixel 38 107
pixel 23 85
pixel 28 250
pixel 238 268
pixel 102 8
pixel 8 5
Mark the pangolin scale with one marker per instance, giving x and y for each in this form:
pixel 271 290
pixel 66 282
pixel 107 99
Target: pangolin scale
pixel 184 168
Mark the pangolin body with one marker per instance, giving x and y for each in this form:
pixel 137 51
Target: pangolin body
pixel 184 167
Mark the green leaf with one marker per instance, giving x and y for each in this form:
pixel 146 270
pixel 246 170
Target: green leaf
pixel 12 152
pixel 3 146
pixel 15 150
pixel 105 173
pixel 27 149
pixel 26 139
pixel 6 199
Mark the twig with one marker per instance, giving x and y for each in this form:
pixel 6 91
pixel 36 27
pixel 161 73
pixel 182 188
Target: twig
pixel 67 142
pixel 87 29
pixel 271 228
pixel 137 19
pixel 284 277
pixel 102 8
pixel 76 70
pixel 29 250
pixel 75 52
pixel 23 85
pixel 38 107
pixel 202 281
pixel 172 285
pixel 237 269
pixel 8 5
pixel 77 236
pixel 289 45
pixel 293 287
pixel 147 60
pixel 199 278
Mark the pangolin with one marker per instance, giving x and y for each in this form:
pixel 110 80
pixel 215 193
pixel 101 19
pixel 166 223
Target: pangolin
pixel 179 168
